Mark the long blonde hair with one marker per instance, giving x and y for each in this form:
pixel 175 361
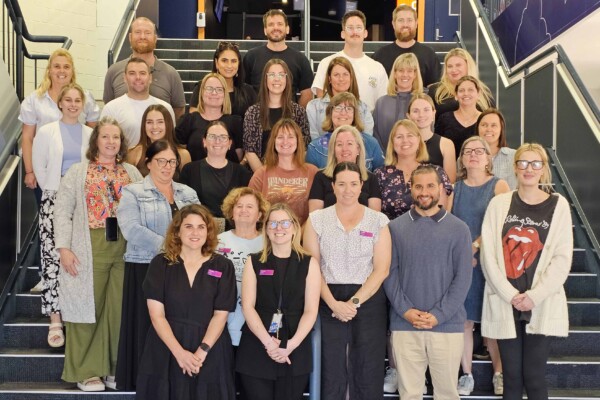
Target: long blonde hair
pixel 546 178
pixel 391 158
pixel 226 107
pixel 332 160
pixel 296 238
pixel 46 81
pixel 406 60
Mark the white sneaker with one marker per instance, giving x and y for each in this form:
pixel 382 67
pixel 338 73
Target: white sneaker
pixel 38 287
pixel 390 382
pixel 109 382
pixel 466 383
pixel 498 382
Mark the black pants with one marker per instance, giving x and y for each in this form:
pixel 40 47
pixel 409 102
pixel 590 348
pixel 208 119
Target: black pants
pixel 352 353
pixel 524 364
pixel 284 388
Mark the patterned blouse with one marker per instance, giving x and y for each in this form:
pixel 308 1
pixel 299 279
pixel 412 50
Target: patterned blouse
pixel 395 190
pixel 103 188
pixel 253 132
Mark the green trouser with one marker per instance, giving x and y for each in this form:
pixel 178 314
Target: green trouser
pixel 91 349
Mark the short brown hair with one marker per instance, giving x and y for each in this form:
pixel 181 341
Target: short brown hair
pixel 92 151
pixel 344 97
pixel 271 156
pixel 272 13
pixel 137 60
pixel 236 194
pixel 172 245
pixel 354 13
pixel 403 7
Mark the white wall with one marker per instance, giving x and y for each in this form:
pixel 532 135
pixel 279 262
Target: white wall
pixel 91 25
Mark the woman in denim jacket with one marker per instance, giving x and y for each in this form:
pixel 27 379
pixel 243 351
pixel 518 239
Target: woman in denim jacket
pixel 144 214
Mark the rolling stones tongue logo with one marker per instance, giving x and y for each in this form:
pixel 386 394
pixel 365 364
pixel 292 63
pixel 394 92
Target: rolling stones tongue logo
pixel 521 246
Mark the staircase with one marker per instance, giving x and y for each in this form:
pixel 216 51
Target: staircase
pixel 193 58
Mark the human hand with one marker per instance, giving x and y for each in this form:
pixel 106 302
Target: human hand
pixel 69 261
pixel 522 302
pixel 344 310
pixel 282 355
pixel 417 318
pixel 30 180
pixel 188 362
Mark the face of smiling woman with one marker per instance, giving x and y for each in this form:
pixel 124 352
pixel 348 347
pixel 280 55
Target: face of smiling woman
pixel 193 233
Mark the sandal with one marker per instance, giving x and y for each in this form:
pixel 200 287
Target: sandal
pixel 93 384
pixel 110 382
pixel 56 337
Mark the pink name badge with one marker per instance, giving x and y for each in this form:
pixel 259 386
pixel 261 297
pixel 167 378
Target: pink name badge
pixel 267 272
pixel 216 274
pixel 366 234
pixel 224 250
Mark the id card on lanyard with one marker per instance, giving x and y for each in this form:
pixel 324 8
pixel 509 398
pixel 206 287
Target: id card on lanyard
pixel 277 319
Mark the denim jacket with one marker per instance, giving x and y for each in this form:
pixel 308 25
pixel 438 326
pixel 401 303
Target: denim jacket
pixel 316 110
pixel 144 215
pixel 317 152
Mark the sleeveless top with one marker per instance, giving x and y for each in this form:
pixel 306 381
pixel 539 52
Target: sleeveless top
pixel 433 148
pixel 470 203
pixel 251 357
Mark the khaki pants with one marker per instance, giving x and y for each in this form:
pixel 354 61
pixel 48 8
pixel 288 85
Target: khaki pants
pixel 415 351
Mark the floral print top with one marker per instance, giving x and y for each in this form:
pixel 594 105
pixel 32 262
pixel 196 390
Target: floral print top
pixel 103 189
pixel 395 190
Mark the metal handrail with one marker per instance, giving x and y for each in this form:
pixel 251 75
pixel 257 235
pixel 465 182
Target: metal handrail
pixel 119 39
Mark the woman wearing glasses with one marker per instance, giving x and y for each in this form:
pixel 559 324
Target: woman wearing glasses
pixel 526 254
pixel 227 61
pixel 213 105
pixel 280 301
pixel 145 211
pixel 475 187
pixel 213 177
pixel 274 102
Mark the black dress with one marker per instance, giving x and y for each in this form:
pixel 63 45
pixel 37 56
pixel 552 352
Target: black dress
pixel 251 357
pixel 189 311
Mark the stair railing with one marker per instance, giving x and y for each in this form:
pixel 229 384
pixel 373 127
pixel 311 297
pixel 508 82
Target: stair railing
pixel 123 29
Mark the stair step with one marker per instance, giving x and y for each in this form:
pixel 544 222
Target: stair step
pixel 31 365
pixel 56 390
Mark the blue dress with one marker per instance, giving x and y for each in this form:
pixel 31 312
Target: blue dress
pixel 470 203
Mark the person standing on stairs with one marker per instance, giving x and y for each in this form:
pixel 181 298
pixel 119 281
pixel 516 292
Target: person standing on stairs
pixel 526 255
pixel 166 82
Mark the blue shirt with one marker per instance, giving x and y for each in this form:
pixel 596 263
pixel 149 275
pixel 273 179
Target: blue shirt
pixel 317 152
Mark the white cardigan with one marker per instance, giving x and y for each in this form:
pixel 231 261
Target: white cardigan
pixel 550 315
pixel 47 154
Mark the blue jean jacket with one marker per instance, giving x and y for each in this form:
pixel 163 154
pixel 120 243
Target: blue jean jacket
pixel 144 215
pixel 317 151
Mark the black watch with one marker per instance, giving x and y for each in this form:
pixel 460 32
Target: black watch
pixel 205 347
pixel 355 301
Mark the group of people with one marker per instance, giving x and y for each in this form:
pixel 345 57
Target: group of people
pixel 189 254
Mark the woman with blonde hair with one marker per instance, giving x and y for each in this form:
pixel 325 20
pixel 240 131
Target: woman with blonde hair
pixel 190 289
pixel 346 144
pixel 457 63
pixel 280 300
pixel 526 255
pixel 405 152
pixel 405 82
pixel 214 104
pixel 340 78
pixel 475 187
pixel 285 176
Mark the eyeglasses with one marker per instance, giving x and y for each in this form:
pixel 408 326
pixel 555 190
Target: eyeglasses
pixel 211 89
pixel 523 164
pixel 284 224
pixel 273 75
pixel 478 151
pixel 217 138
pixel 162 162
pixel 348 109
pixel 357 29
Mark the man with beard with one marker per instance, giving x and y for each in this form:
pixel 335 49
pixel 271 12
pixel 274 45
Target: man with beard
pixel 429 278
pixel 370 75
pixel 129 108
pixel 166 82
pixel 276 28
pixel 404 21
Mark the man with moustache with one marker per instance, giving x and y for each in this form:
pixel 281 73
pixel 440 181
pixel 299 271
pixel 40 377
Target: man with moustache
pixel 370 75
pixel 276 28
pixel 429 278
pixel 129 108
pixel 404 21
pixel 166 82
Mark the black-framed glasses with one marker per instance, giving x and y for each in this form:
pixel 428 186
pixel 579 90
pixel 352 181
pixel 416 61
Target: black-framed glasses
pixel 217 138
pixel 478 151
pixel 212 89
pixel 162 162
pixel 284 224
pixel 342 108
pixel 523 164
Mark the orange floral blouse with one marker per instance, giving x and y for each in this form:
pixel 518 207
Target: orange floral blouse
pixel 103 188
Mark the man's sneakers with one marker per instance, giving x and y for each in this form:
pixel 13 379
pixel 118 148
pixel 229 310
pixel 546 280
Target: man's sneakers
pixel 390 382
pixel 466 383
pixel 498 382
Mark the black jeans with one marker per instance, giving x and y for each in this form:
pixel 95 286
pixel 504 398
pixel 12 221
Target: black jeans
pixel 524 364
pixel 284 388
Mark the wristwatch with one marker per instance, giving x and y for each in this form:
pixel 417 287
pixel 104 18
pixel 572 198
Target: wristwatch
pixel 355 301
pixel 205 347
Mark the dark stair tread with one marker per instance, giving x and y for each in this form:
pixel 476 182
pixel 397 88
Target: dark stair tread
pixel 32 352
pixel 52 388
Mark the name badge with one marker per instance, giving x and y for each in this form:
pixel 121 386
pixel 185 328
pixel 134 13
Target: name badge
pixel 266 272
pixel 276 323
pixel 216 274
pixel 366 234
pixel 224 250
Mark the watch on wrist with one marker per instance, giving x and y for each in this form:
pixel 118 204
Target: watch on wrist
pixel 355 301
pixel 205 347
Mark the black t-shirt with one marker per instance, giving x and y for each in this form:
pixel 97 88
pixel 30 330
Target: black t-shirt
pixel 254 62
pixel 191 130
pixel 322 190
pixel 274 116
pixel 449 127
pixel 435 152
pixel 523 236
pixel 241 98
pixel 429 64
